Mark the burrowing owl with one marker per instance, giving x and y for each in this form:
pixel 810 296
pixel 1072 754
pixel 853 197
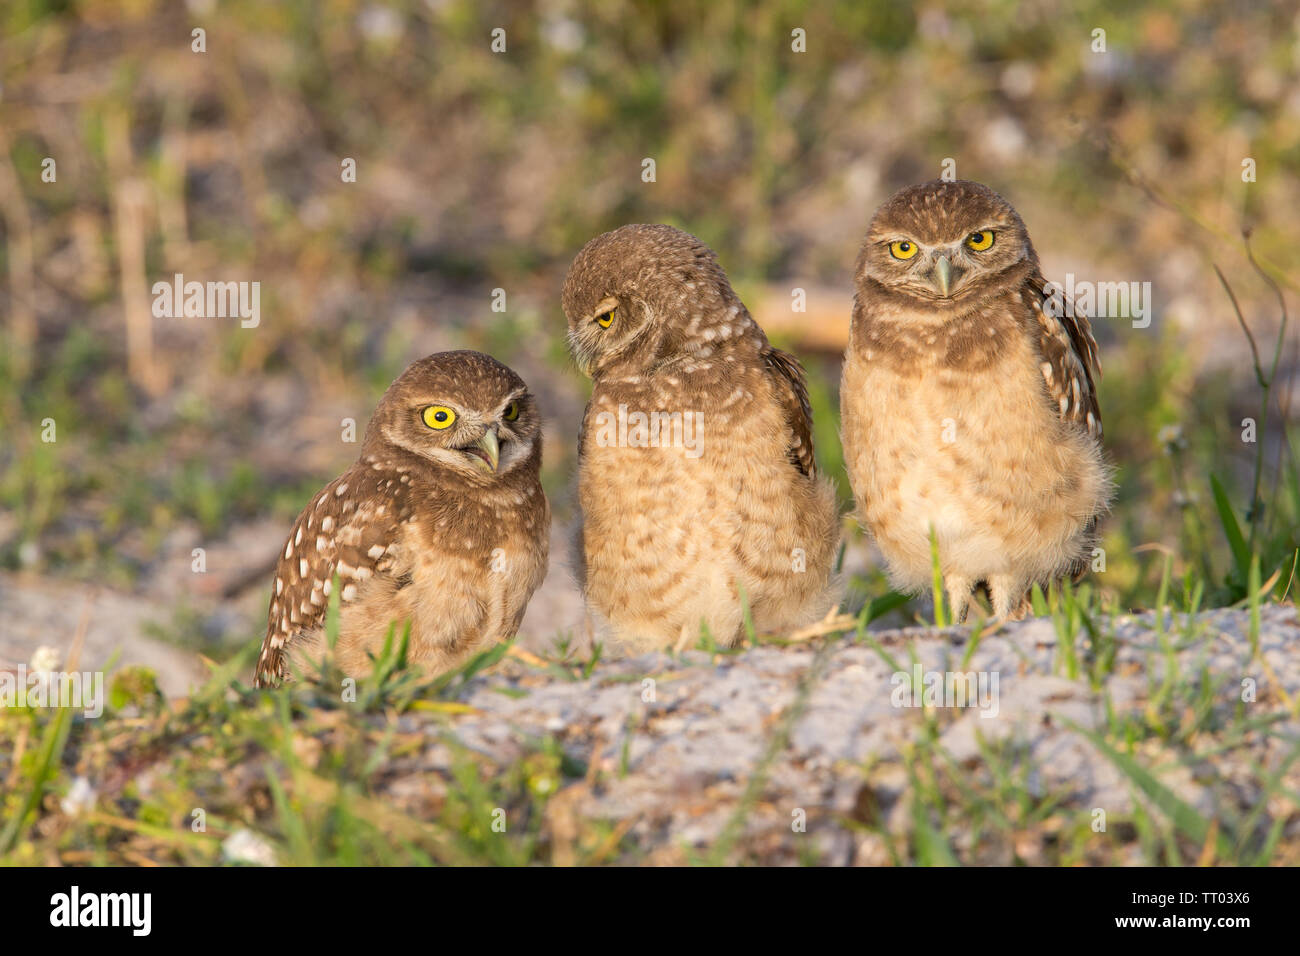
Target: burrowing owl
pixel 967 402
pixel 441 523
pixel 696 473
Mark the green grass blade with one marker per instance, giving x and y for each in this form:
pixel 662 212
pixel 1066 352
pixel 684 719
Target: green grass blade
pixel 1231 529
pixel 1184 817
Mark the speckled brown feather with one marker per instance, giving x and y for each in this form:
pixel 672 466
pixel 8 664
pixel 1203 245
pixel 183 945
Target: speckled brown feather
pixel 433 542
pixel 340 538
pixel 1070 358
pixel 792 393
pixel 972 413
pixel 669 541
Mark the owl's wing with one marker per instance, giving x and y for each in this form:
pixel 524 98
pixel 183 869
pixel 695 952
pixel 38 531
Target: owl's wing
pixel 1069 354
pixel 582 430
pixel 792 392
pixel 347 530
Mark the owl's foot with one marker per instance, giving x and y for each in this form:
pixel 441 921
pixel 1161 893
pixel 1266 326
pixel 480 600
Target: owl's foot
pixel 1010 597
pixel 683 639
pixel 1024 609
pixel 959 594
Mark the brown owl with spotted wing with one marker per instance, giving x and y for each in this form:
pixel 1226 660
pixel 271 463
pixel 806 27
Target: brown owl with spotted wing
pixel 968 402
pixel 441 524
pixel 699 491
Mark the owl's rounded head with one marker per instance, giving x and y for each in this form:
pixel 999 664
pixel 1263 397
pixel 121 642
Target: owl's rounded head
pixel 462 410
pixel 945 243
pixel 643 293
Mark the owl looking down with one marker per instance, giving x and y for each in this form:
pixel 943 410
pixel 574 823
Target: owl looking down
pixel 699 492
pixel 968 405
pixel 441 524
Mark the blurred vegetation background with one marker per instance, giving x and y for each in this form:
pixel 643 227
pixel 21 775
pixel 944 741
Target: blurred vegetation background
pixel 479 170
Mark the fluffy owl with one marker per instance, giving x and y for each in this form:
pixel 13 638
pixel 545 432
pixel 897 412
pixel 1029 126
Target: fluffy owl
pixel 967 403
pixel 696 479
pixel 441 524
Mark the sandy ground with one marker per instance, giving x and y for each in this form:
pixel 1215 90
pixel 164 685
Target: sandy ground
pixel 675 742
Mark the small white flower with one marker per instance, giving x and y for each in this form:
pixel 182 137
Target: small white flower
pixel 29 554
pixel 380 24
pixel 1170 437
pixel 245 846
pixel 80 799
pixel 564 34
pixel 45 660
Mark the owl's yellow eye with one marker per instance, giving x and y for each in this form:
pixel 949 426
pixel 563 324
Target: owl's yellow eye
pixel 979 241
pixel 607 319
pixel 438 416
pixel 511 412
pixel 902 249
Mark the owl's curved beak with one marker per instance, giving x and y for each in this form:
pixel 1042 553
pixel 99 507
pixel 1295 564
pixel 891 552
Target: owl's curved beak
pixel 943 276
pixel 486 451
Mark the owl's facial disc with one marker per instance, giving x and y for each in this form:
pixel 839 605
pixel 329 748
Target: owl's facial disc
pixel 598 334
pixel 942 270
pixel 481 445
pixel 507 436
